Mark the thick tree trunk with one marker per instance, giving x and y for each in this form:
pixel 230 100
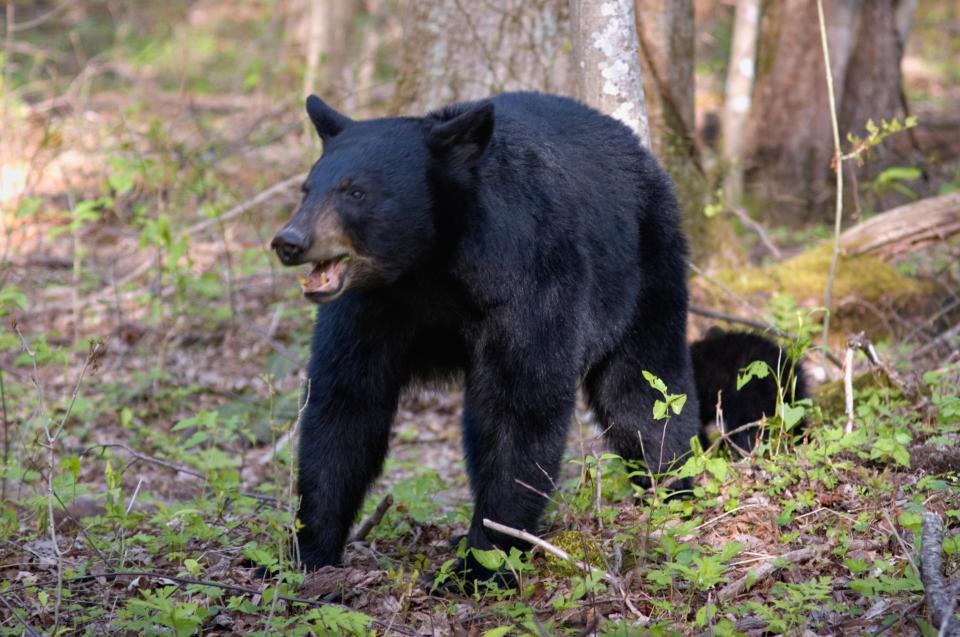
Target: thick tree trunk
pixel 788 149
pixel 607 51
pixel 455 50
pixel 871 87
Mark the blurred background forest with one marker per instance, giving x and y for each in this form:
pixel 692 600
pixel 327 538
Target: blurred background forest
pixel 151 347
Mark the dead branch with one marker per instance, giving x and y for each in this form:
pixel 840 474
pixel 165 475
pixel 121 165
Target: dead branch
pixel 861 342
pixel 848 387
pixel 731 590
pixel 906 228
pixel 373 520
pixel 757 229
pixel 941 597
pixel 546 546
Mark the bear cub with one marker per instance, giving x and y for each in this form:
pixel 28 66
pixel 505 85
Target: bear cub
pixel 717 361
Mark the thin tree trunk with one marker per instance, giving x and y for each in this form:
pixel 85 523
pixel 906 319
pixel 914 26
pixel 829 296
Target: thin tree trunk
pixel 665 30
pixel 738 93
pixel 609 76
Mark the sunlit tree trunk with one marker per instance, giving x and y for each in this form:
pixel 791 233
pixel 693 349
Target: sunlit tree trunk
pixel 738 93
pixel 609 76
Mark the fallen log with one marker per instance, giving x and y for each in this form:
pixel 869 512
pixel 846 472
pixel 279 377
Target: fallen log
pixel 904 229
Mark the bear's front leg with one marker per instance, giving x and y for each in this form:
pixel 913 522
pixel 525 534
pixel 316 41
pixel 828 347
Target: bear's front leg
pixel 355 378
pixel 515 425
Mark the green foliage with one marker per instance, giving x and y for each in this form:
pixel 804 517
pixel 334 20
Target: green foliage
pixel 669 402
pixel 876 135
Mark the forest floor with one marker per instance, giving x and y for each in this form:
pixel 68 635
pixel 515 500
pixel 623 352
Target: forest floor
pixel 151 362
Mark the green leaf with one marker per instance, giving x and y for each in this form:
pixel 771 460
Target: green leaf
pixel 655 382
pixel 718 468
pixel 659 410
pixel 792 414
pixel 491 560
pixel 756 369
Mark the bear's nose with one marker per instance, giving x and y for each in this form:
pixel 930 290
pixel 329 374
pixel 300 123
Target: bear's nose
pixel 289 244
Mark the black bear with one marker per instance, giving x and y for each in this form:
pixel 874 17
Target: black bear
pixel 717 359
pixel 527 242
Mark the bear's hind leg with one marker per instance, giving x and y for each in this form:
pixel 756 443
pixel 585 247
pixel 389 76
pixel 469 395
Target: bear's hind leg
pixel 623 399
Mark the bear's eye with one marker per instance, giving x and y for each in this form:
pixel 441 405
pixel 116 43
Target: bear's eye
pixel 357 195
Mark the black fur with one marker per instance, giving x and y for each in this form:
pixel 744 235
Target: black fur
pixel 526 241
pixel 717 360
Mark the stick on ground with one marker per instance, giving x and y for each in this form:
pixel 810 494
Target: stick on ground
pixel 766 569
pixel 941 597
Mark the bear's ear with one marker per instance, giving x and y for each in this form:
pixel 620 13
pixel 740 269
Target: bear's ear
pixel 715 331
pixel 327 121
pixel 462 140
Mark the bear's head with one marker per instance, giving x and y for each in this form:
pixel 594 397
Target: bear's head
pixel 368 211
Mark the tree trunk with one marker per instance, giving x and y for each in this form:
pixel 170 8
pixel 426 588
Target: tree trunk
pixel 454 50
pixel 738 93
pixel 665 30
pixel 609 77
pixel 871 88
pixel 789 148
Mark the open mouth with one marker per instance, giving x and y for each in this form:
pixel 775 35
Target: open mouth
pixel 326 279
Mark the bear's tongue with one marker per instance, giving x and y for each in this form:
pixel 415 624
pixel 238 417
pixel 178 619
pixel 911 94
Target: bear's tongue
pixel 326 277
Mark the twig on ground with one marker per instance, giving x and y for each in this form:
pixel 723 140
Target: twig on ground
pixel 168 465
pixel 546 546
pixel 941 597
pixel 731 590
pixel 848 387
pixel 899 538
pixel 6 437
pixel 759 325
pixel 730 318
pixel 862 343
pixel 374 519
pixel 40 19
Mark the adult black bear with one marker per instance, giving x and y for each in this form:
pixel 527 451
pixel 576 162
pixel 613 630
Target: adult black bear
pixel 526 241
pixel 717 359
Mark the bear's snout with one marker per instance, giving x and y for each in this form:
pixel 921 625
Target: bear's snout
pixel 290 245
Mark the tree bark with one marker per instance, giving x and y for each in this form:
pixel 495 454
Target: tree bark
pixel 665 30
pixel 738 93
pixel 455 50
pixel 906 228
pixel 788 148
pixel 609 76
